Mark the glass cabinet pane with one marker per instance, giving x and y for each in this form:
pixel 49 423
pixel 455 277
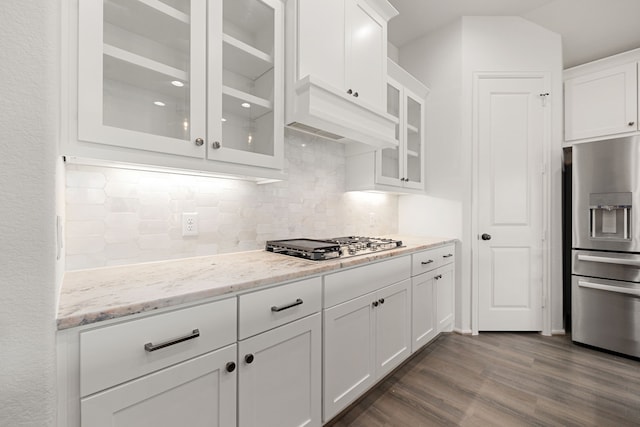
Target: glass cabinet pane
pixel 146 67
pixel 414 140
pixel 390 166
pixel 248 77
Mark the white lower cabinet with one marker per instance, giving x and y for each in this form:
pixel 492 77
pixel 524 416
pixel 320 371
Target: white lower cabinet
pixel 279 376
pixel 433 285
pixel 200 392
pixel 364 339
pixel 393 326
pixel 349 353
pixel 423 313
pixel 174 368
pixel 445 286
pixel 289 355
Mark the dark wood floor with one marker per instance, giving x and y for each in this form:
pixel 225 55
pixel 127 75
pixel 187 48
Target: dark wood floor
pixel 504 379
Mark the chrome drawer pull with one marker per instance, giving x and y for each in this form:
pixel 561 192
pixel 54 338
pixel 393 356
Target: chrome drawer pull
pixel 447 256
pixel 426 262
pixel 603 287
pixel 609 260
pixel 284 307
pixel 153 347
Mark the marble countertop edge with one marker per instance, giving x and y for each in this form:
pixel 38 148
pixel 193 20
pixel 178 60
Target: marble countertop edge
pixel 95 295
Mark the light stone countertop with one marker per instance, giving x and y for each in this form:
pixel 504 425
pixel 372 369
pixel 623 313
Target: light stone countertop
pixel 89 296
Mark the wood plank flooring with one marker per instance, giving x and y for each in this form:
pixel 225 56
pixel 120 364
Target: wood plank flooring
pixel 503 379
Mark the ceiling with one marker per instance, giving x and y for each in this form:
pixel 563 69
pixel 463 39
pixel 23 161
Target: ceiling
pixel 590 29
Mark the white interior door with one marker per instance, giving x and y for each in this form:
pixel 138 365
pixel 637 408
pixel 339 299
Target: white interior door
pixel 510 126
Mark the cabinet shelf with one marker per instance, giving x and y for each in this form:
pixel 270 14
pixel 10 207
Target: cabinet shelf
pixel 232 100
pixel 244 59
pixel 137 61
pixel 161 22
pixel 413 129
pixel 411 153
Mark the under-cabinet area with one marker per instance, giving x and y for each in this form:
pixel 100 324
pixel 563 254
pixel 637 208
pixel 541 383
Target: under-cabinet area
pixel 291 343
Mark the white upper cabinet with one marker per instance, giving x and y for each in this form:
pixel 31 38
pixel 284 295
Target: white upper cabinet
pixel 366 53
pixel 142 74
pixel 321 40
pixel 167 79
pixel 336 70
pixel 399 168
pixel 601 98
pixel 245 114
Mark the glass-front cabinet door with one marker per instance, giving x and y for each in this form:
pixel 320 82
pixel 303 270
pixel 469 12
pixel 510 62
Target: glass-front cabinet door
pixel 195 78
pixel 402 166
pixel 142 74
pixel 414 141
pixel 388 159
pixel 246 88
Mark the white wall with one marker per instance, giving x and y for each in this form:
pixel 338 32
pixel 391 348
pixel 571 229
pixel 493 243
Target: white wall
pixel 482 44
pixel 28 139
pixel 436 60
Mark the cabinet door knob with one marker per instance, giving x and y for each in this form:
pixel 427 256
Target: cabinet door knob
pixel 381 300
pixel 439 276
pixel 349 91
pixel 231 366
pixel 248 358
pixel 426 262
pixel 215 145
pixel 485 236
pixel 375 303
pixel 632 123
pixel 355 94
pixel 199 142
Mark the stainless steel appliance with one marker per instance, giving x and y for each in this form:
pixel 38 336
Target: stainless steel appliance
pixel 336 247
pixel 605 283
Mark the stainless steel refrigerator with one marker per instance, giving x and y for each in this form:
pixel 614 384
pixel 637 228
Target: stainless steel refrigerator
pixel 605 283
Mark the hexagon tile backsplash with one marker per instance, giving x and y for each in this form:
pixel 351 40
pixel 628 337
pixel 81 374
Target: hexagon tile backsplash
pixel 118 216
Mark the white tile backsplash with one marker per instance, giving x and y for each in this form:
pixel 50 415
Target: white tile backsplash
pixel 117 216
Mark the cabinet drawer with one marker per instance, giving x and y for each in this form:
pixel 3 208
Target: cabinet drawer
pixel 114 354
pixel 270 308
pixel 424 261
pixel 346 285
pixel 431 259
pixel 447 254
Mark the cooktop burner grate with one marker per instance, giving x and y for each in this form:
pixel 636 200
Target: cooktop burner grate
pixel 336 247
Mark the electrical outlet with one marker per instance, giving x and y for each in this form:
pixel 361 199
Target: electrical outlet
pixel 189 224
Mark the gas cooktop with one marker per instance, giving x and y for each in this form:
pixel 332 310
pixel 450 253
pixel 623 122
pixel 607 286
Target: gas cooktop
pixel 336 247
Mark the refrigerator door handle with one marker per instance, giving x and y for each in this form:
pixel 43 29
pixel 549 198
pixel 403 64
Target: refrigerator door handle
pixel 602 287
pixel 609 260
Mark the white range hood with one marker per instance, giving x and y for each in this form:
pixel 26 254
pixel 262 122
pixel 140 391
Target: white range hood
pixel 336 71
pixel 324 111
